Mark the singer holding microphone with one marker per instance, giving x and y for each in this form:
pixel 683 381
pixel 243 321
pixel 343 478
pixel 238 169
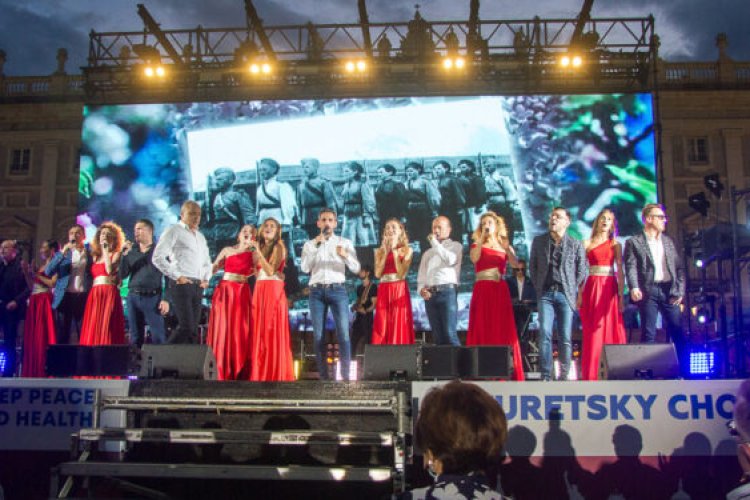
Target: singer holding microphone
pixel 104 320
pixel 72 265
pixel 491 319
pixel 437 281
pixel 326 257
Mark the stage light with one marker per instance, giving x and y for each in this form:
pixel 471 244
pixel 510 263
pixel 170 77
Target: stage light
pixel 699 262
pixel 265 68
pixel 702 362
pixel 154 71
pixel 577 61
pixel 254 69
pixel 361 66
pixel 160 72
pixel 4 358
pixel 713 184
pixel 447 63
pixel 565 61
pixel 349 66
pixel 148 71
pixel 699 203
pixel 450 63
pixel 459 62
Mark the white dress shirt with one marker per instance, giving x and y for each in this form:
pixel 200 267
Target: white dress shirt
pixel 656 246
pixel 325 266
pixel 77 270
pixel 441 264
pixel 182 252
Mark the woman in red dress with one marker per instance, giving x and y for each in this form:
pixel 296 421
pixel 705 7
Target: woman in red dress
pixel 39 327
pixel 491 319
pixel 103 319
pixel 601 301
pixel 394 320
pixel 229 325
pixel 271 353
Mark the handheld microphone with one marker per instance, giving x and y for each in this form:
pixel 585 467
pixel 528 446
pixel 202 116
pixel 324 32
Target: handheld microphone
pixel 105 246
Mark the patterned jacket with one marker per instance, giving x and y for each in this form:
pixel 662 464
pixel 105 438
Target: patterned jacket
pixel 639 265
pixel 573 268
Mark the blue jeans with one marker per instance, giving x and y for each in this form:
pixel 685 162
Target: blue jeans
pixel 441 312
pixel 656 300
pixel 554 306
pixel 144 310
pixel 321 299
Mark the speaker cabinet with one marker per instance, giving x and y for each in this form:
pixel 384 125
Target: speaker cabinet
pixel 392 362
pixel 183 361
pixel 440 362
pixel 489 362
pixel 88 361
pixel 639 361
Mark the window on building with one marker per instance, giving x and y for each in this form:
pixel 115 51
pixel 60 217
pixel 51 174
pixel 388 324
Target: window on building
pixel 20 161
pixel 698 150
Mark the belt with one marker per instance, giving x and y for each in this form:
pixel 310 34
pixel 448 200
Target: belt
pixel 144 292
pixel 262 276
pixel 555 287
pixel 104 280
pixel 325 285
pixel 492 274
pixel 39 289
pixel 390 278
pixel 237 278
pixel 440 288
pixel 601 271
pixel 662 283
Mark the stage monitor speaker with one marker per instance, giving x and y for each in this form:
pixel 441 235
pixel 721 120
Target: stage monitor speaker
pixel 111 360
pixel 65 360
pixel 392 362
pixel 182 361
pixel 488 362
pixel 639 361
pixel 440 362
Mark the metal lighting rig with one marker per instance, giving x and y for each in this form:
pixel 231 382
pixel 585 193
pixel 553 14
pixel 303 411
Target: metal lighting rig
pixel 418 57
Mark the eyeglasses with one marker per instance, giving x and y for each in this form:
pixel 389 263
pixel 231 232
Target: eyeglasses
pixel 660 217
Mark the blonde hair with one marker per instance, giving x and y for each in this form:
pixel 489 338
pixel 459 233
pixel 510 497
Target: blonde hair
pixel 501 230
pixel 613 231
pixel 403 240
pixel 266 247
pixel 118 235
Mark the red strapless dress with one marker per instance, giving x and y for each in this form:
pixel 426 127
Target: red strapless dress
pixel 271 351
pixel 38 330
pixel 394 321
pixel 491 319
pixel 229 325
pixel 600 311
pixel 103 320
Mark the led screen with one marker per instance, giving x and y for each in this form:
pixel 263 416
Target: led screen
pixel 525 155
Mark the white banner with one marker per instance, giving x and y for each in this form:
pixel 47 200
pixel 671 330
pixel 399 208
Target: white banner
pixel 586 415
pixel 41 414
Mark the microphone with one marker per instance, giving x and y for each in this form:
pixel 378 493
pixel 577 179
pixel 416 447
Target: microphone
pixel 105 246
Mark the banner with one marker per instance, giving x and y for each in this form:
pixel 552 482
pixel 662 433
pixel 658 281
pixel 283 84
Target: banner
pixel 585 418
pixel 41 414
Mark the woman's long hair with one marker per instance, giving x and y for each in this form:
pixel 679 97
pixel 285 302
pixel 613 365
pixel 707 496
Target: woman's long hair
pixel 403 240
pixel 118 237
pixel 267 247
pixel 613 231
pixel 501 230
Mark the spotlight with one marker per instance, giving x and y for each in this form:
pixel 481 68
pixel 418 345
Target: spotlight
pixel 160 72
pixel 460 63
pixel 699 203
pixel 349 66
pixel 148 71
pixel 358 66
pixel 265 68
pixel 565 61
pixel 448 63
pixel 254 69
pixel 577 61
pixel 703 362
pixel 699 262
pixel 361 66
pixel 713 184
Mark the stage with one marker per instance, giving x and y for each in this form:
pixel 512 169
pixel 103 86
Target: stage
pixel 357 436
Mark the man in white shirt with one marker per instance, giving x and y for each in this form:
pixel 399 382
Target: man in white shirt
pixel 656 278
pixel 182 256
pixel 72 265
pixel 326 258
pixel 437 281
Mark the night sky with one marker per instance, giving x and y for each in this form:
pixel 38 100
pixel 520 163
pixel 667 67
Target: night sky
pixel 31 31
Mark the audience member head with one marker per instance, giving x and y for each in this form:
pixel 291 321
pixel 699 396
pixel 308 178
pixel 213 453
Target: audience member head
pixel 365 271
pixel 461 429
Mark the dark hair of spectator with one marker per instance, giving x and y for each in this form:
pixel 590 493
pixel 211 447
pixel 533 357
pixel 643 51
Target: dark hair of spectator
pixel 462 426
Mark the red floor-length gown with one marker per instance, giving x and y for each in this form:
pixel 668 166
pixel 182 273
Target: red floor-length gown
pixel 103 320
pixel 230 323
pixel 600 311
pixel 38 330
pixel 271 352
pixel 394 321
pixel 491 319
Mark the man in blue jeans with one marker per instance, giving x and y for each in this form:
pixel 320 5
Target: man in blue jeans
pixel 558 270
pixel 437 281
pixel 326 257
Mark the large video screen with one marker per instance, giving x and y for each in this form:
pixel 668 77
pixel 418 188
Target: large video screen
pixel 516 155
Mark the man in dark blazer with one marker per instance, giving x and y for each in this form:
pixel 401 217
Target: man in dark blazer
pixel 14 291
pixel 656 278
pixel 558 269
pixel 519 279
pixel 72 265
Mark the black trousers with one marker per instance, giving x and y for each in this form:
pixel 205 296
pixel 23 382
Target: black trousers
pixel 9 321
pixel 70 313
pixel 186 305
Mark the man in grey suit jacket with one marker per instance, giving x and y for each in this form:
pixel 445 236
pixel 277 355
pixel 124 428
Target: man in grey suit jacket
pixel 558 269
pixel 656 278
